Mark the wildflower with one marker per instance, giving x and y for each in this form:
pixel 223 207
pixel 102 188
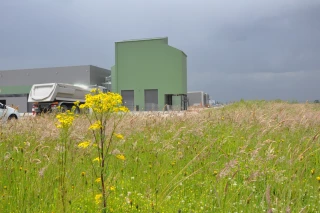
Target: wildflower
pixel 112 188
pixel 173 163
pixel 121 157
pixel 215 172
pixel 84 144
pixel 312 171
pixel 101 102
pixel 118 136
pixel 318 178
pixel 20 168
pixel 65 119
pixel 98 180
pixel 98 198
pixel 77 103
pixel 83 173
pixel 95 126
pixel 97 159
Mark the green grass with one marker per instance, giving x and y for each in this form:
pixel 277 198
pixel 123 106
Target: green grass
pixel 251 156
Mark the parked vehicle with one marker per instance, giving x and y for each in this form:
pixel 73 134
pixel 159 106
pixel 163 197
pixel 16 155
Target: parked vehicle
pixel 8 113
pixel 47 97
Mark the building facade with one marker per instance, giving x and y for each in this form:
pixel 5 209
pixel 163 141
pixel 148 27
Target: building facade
pixel 15 85
pixel 150 75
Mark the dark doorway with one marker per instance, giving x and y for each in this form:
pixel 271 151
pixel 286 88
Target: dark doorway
pixel 128 99
pixel 151 99
pixel 4 102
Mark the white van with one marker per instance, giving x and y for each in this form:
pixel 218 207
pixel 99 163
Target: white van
pixel 8 113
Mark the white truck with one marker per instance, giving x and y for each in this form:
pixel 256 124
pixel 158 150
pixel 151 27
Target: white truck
pixel 8 113
pixel 47 97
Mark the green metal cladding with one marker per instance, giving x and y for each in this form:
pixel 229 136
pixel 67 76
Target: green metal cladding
pixel 149 64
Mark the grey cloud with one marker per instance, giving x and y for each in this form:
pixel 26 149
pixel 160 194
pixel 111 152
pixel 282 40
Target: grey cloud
pixel 236 49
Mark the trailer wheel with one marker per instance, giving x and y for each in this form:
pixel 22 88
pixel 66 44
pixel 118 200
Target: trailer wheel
pixel 64 108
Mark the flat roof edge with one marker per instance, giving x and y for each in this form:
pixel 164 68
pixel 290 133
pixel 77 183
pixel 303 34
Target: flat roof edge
pixel 143 39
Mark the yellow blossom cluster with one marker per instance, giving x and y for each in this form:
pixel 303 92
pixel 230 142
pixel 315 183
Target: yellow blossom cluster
pixel 101 102
pixel 65 119
pixel 118 136
pixel 97 159
pixel 121 157
pixel 98 198
pixel 95 126
pixel 84 144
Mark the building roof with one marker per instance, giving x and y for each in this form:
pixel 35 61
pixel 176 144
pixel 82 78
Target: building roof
pixel 52 68
pixel 143 39
pixel 150 39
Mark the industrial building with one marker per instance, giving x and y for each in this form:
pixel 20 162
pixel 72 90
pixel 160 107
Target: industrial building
pixel 15 85
pixel 150 75
pixel 198 98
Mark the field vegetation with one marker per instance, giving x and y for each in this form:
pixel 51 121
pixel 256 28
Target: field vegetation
pixel 250 156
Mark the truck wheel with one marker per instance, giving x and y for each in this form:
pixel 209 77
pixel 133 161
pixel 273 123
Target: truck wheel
pixel 64 108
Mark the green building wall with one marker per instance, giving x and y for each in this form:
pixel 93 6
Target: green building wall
pixel 150 64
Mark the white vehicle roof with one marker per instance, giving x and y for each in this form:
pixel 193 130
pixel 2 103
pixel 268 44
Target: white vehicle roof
pixel 57 91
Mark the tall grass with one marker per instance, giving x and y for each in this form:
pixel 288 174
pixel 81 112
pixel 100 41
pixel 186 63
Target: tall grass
pixel 247 157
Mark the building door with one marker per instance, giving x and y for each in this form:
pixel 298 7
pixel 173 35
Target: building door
pixel 151 99
pixel 128 99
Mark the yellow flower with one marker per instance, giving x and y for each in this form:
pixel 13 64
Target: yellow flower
pixel 112 188
pixel 118 136
pixel 95 126
pixel 83 173
pixel 98 198
pixel 65 119
pixel 318 178
pixel 312 171
pixel 98 180
pixel 100 102
pixel 215 172
pixel 97 159
pixel 84 144
pixel 121 157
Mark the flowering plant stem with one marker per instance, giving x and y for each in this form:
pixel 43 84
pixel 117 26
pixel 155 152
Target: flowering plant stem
pixel 104 107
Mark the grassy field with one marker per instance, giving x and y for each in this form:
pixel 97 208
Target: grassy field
pixel 246 157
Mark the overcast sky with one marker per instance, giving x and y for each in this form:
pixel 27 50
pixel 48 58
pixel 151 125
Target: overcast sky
pixel 250 49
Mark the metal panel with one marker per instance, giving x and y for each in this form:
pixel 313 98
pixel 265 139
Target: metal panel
pixel 195 98
pixel 28 77
pixel 151 99
pixel 19 102
pixel 98 75
pixel 128 99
